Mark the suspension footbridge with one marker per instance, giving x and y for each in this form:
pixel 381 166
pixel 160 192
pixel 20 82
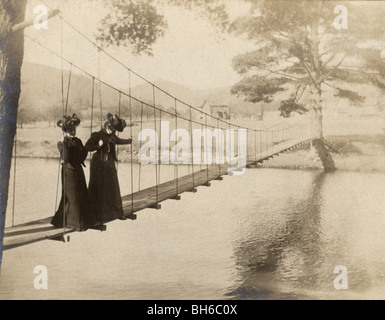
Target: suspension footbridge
pixel 260 144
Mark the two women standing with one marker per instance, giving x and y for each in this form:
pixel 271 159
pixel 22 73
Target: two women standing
pixel 84 208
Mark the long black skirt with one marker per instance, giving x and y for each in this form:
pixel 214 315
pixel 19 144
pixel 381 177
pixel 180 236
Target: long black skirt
pixel 104 190
pixel 74 204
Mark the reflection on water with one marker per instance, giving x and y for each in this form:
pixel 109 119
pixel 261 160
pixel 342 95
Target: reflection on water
pixel 288 255
pixel 269 234
pixel 338 219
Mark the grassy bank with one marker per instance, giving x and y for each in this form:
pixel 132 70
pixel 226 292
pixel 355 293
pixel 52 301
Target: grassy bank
pixel 358 145
pixel 360 153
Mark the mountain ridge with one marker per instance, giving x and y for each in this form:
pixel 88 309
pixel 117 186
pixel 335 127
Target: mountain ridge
pixel 42 92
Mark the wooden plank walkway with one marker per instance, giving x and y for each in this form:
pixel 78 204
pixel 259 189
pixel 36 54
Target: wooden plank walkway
pixel 152 197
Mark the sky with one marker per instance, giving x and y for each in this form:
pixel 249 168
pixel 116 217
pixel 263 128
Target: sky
pixel 191 53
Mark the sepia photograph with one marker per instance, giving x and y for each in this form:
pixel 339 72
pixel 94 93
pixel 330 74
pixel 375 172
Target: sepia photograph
pixel 192 150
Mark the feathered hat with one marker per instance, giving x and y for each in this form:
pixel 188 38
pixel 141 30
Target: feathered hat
pixel 113 121
pixel 68 123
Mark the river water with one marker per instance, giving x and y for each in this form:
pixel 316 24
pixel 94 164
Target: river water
pixel 267 234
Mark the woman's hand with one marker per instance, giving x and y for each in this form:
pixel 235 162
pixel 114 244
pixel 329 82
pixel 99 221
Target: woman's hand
pixel 101 143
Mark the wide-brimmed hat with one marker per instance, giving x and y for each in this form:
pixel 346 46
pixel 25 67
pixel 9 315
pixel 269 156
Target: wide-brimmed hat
pixel 68 123
pixel 113 121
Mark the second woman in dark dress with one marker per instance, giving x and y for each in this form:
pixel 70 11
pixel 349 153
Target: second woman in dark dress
pixel 104 190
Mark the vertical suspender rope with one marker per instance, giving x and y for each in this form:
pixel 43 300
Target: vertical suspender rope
pixel 219 141
pixel 68 90
pixel 63 106
pixel 201 159
pixel 272 146
pixel 140 143
pixel 117 147
pixel 230 153
pixel 160 147
pixel 14 178
pixel 255 146
pixel 192 150
pixel 63 113
pixel 64 155
pixel 267 141
pixel 207 154
pixel 62 65
pixel 101 126
pixel 100 93
pixel 260 143
pixel 236 142
pixel 157 150
pixel 92 107
pixel 131 147
pixel 176 163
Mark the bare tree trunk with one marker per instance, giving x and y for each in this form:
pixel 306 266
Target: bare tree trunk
pixel 317 117
pixel 11 58
pixel 318 144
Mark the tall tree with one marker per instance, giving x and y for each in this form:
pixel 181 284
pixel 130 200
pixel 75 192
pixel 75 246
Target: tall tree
pixel 303 46
pixel 11 57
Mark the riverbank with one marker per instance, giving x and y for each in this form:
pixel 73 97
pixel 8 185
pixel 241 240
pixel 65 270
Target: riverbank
pixel 357 145
pixel 359 153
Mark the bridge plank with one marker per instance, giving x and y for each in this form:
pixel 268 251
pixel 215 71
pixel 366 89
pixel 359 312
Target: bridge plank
pixel 40 230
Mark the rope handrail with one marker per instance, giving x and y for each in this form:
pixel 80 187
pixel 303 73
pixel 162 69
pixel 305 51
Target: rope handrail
pixel 99 48
pixel 136 99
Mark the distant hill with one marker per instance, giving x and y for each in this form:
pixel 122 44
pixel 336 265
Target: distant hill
pixel 41 96
pixel 41 92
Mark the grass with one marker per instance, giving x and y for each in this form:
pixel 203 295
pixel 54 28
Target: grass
pixel 358 144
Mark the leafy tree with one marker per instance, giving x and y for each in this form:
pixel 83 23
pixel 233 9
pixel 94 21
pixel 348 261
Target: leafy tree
pixel 26 113
pixel 300 47
pixel 138 24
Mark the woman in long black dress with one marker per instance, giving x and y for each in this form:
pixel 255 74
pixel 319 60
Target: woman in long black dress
pixel 104 190
pixel 74 203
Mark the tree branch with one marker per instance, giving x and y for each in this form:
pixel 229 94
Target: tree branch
pixel 303 91
pixel 310 75
pixel 331 71
pixel 280 74
pixel 28 23
pixel 326 63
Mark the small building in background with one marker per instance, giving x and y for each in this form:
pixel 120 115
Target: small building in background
pixel 220 111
